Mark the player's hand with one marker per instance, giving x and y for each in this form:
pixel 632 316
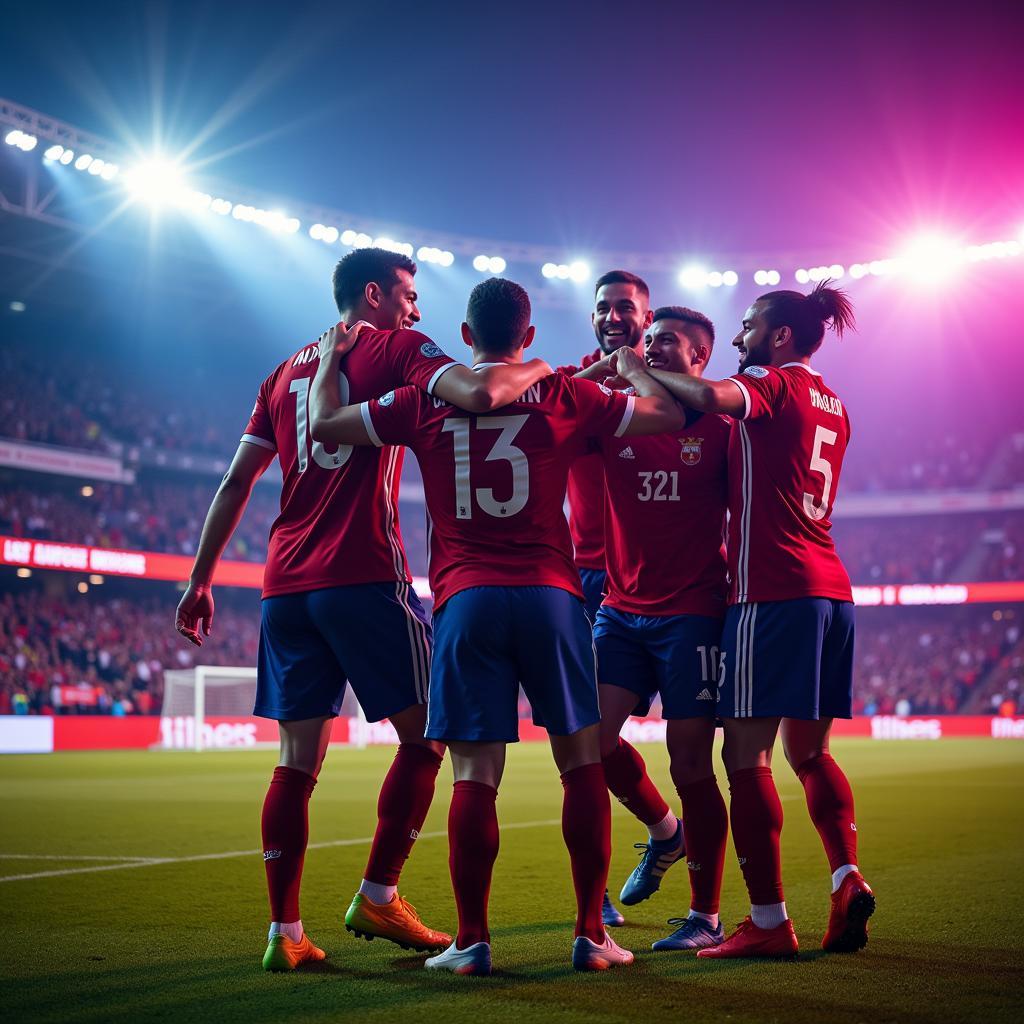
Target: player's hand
pixel 627 364
pixel 195 608
pixel 340 338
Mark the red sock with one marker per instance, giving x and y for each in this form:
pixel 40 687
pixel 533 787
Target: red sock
pixel 756 815
pixel 626 775
pixel 587 829
pixel 403 803
pixel 285 834
pixel 830 801
pixel 706 824
pixel 472 850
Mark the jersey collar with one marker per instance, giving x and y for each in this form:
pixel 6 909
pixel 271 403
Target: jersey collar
pixel 803 366
pixel 484 366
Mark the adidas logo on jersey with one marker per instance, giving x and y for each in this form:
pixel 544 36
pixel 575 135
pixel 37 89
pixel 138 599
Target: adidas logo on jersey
pixel 705 694
pixel 627 453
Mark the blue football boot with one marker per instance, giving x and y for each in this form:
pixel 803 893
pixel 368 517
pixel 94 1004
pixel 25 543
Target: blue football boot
pixel 657 857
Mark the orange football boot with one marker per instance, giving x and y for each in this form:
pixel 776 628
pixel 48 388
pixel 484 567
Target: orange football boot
pixel 749 940
pixel 396 921
pixel 284 955
pixel 852 904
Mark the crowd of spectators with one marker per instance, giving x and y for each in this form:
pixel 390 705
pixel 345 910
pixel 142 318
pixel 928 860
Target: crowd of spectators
pixel 933 661
pixel 115 650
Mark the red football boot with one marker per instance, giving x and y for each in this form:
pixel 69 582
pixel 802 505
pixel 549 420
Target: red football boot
pixel 852 904
pixel 749 940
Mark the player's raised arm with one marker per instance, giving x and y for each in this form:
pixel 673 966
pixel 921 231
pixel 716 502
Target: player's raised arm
pixel 721 396
pixel 490 388
pixel 196 605
pixel 330 422
pixel 654 410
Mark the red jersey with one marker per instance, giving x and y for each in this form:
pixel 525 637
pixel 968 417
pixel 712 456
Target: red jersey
pixel 339 509
pixel 586 492
pixel 665 520
pixel 495 483
pixel 785 457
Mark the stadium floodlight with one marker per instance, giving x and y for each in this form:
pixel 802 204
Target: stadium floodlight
pixel 802 276
pixel 715 279
pixel 563 272
pixel 348 237
pixel 858 270
pixel 730 278
pixel 110 172
pixel 154 182
pixel 362 240
pixel 930 258
pixel 693 277
pixel 496 265
pixel 482 263
pixel 549 270
pixel 221 206
pixel 96 167
pixel 330 235
pixel 316 232
pixel 761 277
pixel 67 156
pixel 83 162
pixel 383 242
pixel 579 271
pixel 25 142
pixel 53 153
pixel 17 306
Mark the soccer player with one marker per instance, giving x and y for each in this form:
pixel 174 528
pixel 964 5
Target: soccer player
pixel 787 645
pixel 508 602
pixel 622 312
pixel 660 626
pixel 337 605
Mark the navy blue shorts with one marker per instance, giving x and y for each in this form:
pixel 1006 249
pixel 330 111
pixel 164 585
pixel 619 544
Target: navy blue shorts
pixel 375 636
pixel 488 641
pixel 789 659
pixel 593 581
pixel 674 655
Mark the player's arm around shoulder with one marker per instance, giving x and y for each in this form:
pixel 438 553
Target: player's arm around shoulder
pixel 330 422
pixel 655 411
pixel 724 397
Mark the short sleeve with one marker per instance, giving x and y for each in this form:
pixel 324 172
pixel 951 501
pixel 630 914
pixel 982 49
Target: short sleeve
pixel 763 389
pixel 260 429
pixel 419 361
pixel 601 412
pixel 393 418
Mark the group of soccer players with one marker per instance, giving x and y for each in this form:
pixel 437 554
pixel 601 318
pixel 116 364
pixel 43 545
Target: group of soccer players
pixel 756 632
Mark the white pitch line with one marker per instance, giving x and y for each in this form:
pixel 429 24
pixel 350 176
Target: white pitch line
pixel 153 861
pixel 68 856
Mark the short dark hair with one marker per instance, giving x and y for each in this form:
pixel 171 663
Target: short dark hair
pixel 623 277
pixel 688 316
pixel 807 315
pixel 361 266
pixel 498 314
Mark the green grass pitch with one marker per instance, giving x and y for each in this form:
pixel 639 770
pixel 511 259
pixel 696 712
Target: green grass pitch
pixel 940 833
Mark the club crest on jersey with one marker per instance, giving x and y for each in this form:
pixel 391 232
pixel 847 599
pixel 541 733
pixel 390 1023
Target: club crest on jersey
pixel 756 371
pixel 430 350
pixel 387 399
pixel 690 448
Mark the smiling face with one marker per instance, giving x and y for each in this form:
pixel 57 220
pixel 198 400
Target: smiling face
pixel 753 343
pixel 621 314
pixel 677 346
pixel 396 307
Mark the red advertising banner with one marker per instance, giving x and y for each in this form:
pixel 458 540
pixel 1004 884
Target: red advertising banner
pixel 78 696
pixel 35 734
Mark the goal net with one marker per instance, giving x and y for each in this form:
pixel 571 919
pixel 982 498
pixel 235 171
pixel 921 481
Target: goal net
pixel 207 691
pixel 193 696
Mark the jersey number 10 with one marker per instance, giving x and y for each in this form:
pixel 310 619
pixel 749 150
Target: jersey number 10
pixel 323 458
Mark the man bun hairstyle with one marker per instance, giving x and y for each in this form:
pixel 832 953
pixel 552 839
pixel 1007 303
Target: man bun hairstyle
pixel 623 277
pixel 361 266
pixel 498 314
pixel 687 315
pixel 808 315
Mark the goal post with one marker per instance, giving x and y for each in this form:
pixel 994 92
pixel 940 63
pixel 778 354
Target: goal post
pixel 215 690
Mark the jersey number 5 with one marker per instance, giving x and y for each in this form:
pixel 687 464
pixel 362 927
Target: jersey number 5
pixel 323 458
pixel 819 464
pixel 502 450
